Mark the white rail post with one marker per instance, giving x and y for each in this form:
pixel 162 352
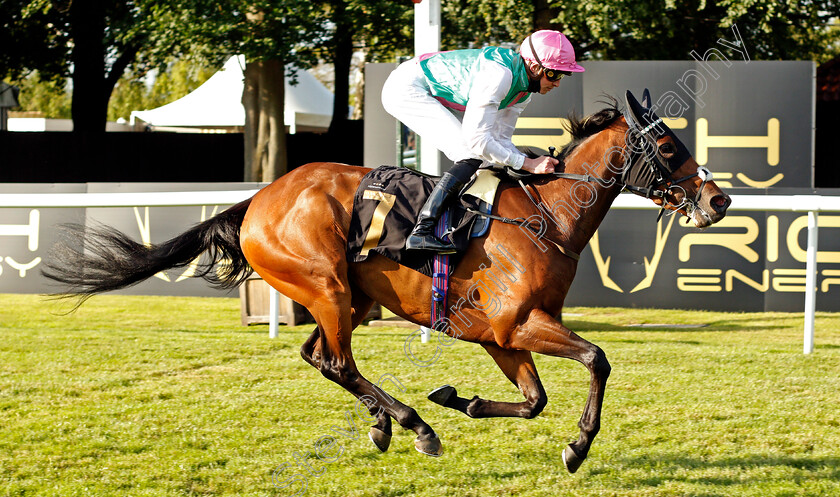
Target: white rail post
pixel 810 282
pixel 427 40
pixel 273 310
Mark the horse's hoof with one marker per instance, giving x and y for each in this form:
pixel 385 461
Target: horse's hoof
pixel 571 460
pixel 441 395
pixel 379 438
pixel 430 447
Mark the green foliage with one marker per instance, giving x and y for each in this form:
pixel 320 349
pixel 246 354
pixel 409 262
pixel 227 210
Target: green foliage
pixel 143 35
pixel 787 30
pixel 181 78
pixel 651 29
pixel 166 396
pixel 52 98
pixel 129 95
pixel 669 30
pixel 39 35
pixel 49 97
pixel 469 24
pixel 132 93
pixel 258 29
pixel 32 38
pixel 383 29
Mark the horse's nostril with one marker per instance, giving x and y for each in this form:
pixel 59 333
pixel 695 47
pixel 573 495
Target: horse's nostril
pixel 720 203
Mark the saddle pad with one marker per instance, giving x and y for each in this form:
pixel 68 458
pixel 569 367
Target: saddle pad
pixel 385 208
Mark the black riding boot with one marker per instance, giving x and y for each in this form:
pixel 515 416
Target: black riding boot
pixel 422 237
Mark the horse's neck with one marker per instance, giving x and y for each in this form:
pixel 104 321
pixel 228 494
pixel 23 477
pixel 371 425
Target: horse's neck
pixel 578 206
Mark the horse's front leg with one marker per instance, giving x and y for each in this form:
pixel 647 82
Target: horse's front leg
pixel 543 334
pixel 518 366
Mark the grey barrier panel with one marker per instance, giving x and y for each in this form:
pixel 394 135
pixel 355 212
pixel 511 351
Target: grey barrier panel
pixel 750 261
pixel 751 123
pixel 22 262
pixel 26 236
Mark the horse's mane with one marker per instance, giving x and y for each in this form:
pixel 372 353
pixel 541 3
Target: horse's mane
pixel 581 128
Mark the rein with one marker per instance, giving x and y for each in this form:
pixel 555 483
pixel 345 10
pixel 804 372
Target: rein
pixel 643 154
pixel 536 230
pixel 522 222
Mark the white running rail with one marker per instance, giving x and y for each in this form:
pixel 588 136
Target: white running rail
pixel 812 204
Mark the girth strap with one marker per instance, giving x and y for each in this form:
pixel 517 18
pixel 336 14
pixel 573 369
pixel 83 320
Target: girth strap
pixel 522 222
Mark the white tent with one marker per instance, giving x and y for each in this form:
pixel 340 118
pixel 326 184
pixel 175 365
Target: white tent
pixel 217 104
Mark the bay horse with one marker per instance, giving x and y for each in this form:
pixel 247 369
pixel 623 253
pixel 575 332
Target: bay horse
pixel 293 233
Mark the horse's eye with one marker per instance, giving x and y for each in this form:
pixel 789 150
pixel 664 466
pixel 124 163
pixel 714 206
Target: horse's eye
pixel 667 150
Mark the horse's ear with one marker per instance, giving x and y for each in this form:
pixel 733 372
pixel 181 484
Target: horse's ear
pixel 646 100
pixel 634 108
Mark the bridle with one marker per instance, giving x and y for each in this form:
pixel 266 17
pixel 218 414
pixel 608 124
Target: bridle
pixel 645 164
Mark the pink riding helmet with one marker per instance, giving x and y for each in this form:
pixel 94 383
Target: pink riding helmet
pixel 554 51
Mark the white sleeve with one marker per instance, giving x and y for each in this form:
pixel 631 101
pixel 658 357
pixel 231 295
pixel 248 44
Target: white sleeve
pixel 506 123
pixel 490 86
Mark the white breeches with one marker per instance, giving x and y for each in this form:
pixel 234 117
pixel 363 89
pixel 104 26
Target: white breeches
pixel 406 96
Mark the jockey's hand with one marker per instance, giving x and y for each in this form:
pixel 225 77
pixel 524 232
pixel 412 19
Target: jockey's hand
pixel 540 165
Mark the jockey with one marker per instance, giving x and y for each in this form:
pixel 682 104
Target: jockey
pixel 491 86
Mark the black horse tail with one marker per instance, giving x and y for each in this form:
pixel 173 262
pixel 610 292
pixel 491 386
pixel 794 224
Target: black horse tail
pixel 92 260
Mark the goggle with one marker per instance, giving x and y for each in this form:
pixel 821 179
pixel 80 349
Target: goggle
pixel 550 74
pixel 554 74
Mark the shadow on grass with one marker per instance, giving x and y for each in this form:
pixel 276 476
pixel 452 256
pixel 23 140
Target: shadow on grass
pixel 714 326
pixel 679 468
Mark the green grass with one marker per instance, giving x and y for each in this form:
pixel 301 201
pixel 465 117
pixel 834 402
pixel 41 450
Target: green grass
pixel 171 396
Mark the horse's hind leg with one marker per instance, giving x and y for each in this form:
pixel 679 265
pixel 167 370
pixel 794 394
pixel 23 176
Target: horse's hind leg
pixel 518 366
pixel 338 365
pixel 311 348
pixel 380 433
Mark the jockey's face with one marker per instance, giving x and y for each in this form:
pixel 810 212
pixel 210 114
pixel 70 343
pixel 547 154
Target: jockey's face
pixel 546 85
pixel 535 73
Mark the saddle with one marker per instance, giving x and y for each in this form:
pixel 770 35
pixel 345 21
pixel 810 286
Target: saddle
pixel 386 206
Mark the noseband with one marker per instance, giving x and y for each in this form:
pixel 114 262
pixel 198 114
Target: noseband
pixel 648 170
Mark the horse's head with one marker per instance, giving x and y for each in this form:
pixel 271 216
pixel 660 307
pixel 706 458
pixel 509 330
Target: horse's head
pixel 658 166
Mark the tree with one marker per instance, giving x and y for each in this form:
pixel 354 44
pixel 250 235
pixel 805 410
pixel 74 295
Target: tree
pixel 651 29
pixel 95 41
pixel 268 34
pixel 179 79
pixel 51 97
pixel 670 30
pixel 378 28
pixel 30 40
pixel 473 24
